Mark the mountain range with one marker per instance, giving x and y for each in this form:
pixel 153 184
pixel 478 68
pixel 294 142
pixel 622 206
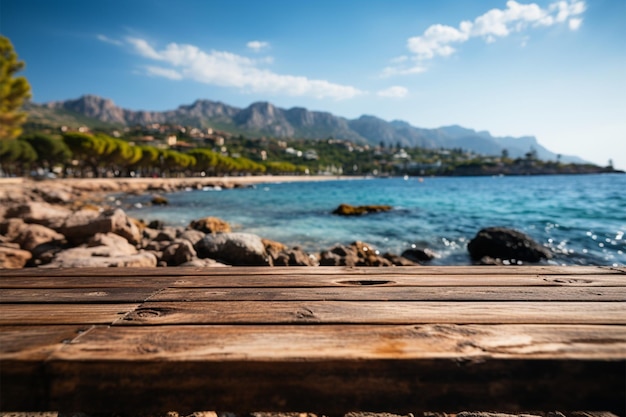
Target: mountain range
pixel 265 119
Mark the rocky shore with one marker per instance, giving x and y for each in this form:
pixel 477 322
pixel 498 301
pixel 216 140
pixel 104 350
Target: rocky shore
pixel 69 223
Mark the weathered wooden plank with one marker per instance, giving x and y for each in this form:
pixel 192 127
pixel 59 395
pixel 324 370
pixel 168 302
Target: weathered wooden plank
pixel 334 368
pixel 396 386
pixel 35 342
pixel 384 293
pixel 321 270
pixel 309 281
pixel 22 353
pixel 397 312
pixel 77 295
pixel 196 343
pixel 39 314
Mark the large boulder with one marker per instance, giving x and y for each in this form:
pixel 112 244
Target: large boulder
pixel 11 258
pixel 84 224
pixel 39 212
pixel 506 244
pixel 234 249
pixel 32 235
pixel 348 210
pixel 210 225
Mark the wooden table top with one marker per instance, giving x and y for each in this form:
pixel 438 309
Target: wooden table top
pixel 319 339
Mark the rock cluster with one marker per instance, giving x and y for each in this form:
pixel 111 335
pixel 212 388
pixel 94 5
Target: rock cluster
pixel 349 210
pixel 54 227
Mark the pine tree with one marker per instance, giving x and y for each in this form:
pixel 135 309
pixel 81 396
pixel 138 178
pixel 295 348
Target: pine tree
pixel 13 91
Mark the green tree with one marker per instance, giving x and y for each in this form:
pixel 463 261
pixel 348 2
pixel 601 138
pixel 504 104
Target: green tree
pixel 13 91
pixel 87 149
pixel 16 156
pixel 50 150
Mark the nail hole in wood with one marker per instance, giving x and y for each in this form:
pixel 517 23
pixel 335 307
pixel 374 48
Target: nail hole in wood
pixel 366 282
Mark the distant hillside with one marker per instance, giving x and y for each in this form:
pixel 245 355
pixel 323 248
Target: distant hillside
pixel 265 119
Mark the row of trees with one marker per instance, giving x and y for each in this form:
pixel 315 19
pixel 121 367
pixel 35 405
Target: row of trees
pixel 98 155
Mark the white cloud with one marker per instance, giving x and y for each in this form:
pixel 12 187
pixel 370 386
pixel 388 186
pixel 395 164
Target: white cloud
pixel 394 92
pixel 226 69
pixel 402 70
pixel 574 23
pixel 256 46
pixel 106 39
pixel 443 40
pixel 164 72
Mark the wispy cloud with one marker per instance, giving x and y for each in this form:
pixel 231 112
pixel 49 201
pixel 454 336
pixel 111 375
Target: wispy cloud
pixel 441 40
pixel 257 46
pixel 106 39
pixel 226 69
pixel 394 92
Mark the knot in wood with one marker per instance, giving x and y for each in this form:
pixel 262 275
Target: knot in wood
pixel 305 314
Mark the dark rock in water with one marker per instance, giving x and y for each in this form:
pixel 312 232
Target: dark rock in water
pixel 234 249
pixel 419 255
pixel 159 200
pixel 506 244
pixel 210 225
pixel 348 210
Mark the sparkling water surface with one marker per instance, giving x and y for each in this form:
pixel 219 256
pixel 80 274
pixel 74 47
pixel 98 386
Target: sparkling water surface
pixel 582 219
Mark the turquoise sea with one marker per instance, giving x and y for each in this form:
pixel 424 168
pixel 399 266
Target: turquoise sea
pixel 581 218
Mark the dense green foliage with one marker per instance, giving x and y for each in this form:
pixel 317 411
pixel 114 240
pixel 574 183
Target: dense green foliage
pixel 100 155
pixel 13 92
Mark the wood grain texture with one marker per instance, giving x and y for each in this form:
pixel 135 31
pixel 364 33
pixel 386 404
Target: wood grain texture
pixel 327 340
pixel 297 280
pixel 74 295
pixel 197 343
pixel 359 312
pixel 385 293
pixel 37 314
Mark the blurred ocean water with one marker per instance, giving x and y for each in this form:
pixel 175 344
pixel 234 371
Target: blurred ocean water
pixel 581 218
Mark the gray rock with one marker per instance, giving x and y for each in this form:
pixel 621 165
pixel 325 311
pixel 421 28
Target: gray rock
pixel 506 244
pixel 234 249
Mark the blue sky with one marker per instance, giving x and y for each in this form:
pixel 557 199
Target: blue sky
pixel 555 69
